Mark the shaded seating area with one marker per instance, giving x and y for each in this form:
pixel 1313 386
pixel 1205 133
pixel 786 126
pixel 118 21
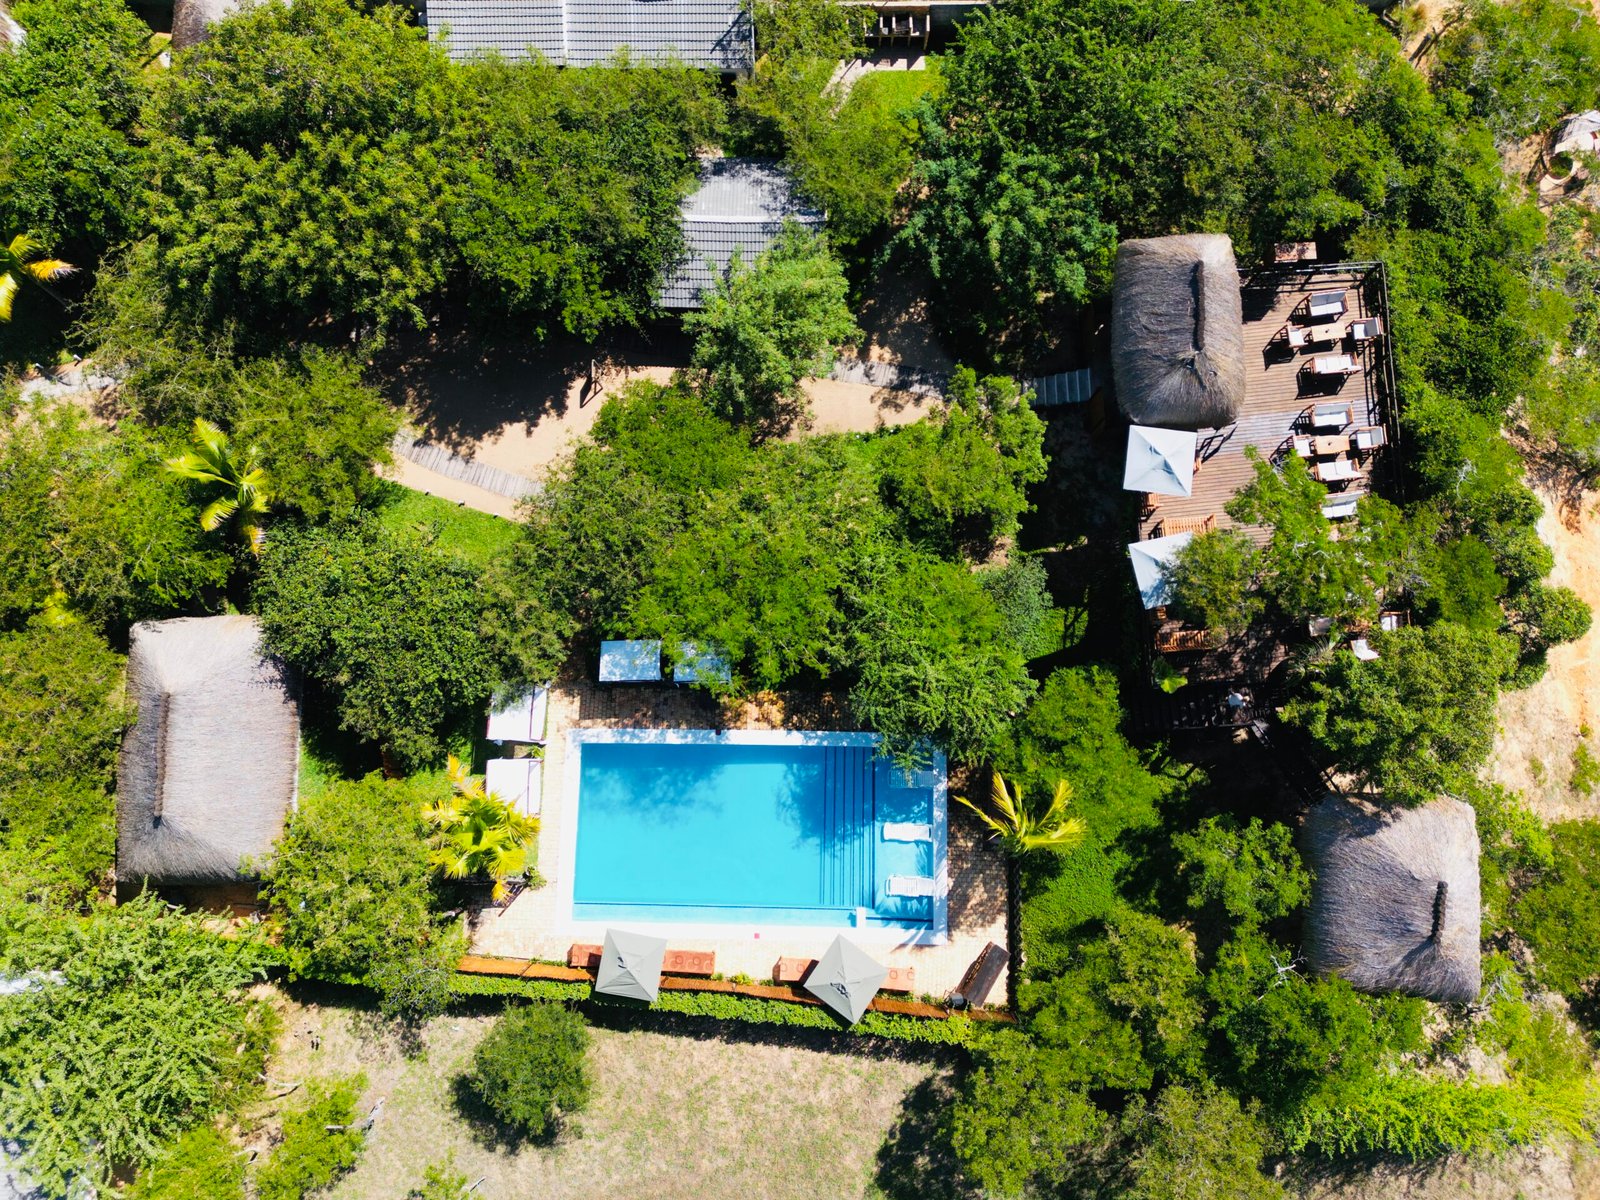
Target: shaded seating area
pixel 701 964
pixel 519 782
pixel 701 664
pixel 1161 461
pixel 1152 560
pixel 520 718
pixel 630 965
pixel 981 977
pixel 845 979
pixel 630 661
pixel 901 980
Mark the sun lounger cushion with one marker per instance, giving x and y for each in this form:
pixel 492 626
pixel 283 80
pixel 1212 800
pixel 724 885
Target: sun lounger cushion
pixel 910 885
pixel 907 831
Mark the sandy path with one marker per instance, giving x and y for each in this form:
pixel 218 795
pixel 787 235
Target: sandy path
pixel 1539 726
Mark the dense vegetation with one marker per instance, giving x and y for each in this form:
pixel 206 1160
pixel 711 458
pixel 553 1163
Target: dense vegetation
pixel 268 225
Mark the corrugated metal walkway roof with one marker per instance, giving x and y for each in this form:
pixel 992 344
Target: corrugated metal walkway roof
pixel 713 34
pixel 740 204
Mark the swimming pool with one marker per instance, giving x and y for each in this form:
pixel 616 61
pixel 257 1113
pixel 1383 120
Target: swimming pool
pixel 753 828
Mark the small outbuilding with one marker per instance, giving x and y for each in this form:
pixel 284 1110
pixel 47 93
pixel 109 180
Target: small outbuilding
pixel 208 771
pixel 739 206
pixel 1395 904
pixel 1177 331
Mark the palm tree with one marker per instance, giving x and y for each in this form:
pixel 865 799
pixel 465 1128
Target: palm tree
pixel 19 261
pixel 1020 829
pixel 477 833
pixel 211 461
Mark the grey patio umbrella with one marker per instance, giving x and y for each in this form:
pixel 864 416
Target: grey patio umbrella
pixel 846 979
pixel 630 965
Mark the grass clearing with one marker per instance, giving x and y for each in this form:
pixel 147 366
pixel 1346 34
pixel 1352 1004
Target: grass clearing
pixel 673 1117
pixel 897 91
pixel 477 537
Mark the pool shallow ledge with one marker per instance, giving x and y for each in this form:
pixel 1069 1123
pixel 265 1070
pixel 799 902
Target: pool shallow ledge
pixel 750 922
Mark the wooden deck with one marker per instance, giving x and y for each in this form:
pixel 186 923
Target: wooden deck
pixel 1280 393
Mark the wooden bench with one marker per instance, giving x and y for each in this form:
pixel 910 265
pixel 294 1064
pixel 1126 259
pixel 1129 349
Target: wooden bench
pixel 983 974
pixel 792 970
pixel 702 963
pixel 901 979
pixel 585 958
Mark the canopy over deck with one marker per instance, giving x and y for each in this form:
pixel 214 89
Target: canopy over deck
pixel 846 979
pixel 1160 461
pixel 1151 562
pixel 630 965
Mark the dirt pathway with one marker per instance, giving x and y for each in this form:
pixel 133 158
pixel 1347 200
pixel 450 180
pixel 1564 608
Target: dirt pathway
pixel 1540 726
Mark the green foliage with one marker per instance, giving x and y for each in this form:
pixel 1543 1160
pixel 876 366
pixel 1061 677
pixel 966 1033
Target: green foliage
pixel 1539 1043
pixel 304 162
pixel 478 538
pixel 91 525
pixel 1543 616
pixel 1521 65
pixel 1022 826
pixel 349 883
pixel 959 479
pixel 1462 585
pixel 1559 915
pixel 211 460
pixel 1021 594
pixel 569 209
pixel 1245 874
pixel 767 325
pixel 70 96
pixel 200 1163
pixel 1417 721
pixel 1214 581
pixel 311 1156
pixel 386 625
pixel 1516 846
pixel 530 1070
pixel 1197 1143
pixel 61 716
pixel 1022 1116
pixel 127 1037
pixel 475 832
pixel 932 658
pixel 441 1181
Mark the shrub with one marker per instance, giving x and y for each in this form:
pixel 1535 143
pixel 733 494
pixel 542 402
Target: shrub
pixel 1560 914
pixel 311 1156
pixel 1243 874
pixel 440 1181
pixel 200 1163
pixel 386 625
pixel 1198 1144
pixel 350 886
pixel 529 1071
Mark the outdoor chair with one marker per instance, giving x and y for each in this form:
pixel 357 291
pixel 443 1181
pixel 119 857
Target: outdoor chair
pixel 910 885
pixel 907 831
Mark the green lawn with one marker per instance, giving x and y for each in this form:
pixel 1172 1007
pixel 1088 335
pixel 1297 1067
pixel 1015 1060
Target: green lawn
pixel 477 537
pixel 897 91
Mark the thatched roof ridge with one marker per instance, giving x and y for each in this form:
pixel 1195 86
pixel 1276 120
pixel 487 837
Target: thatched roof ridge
pixel 207 773
pixel 192 19
pixel 1395 904
pixel 1177 331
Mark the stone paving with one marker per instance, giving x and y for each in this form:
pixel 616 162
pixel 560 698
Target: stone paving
pixel 533 926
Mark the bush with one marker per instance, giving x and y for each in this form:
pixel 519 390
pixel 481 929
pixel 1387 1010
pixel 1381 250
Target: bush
pixel 200 1163
pixel 530 1069
pixel 61 713
pixel 350 886
pixel 1559 916
pixel 387 626
pixel 1242 875
pixel 440 1181
pixel 311 1156
pixel 1198 1144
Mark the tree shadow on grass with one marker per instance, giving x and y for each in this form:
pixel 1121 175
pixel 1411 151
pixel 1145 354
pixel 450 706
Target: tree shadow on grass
pixel 492 1133
pixel 916 1160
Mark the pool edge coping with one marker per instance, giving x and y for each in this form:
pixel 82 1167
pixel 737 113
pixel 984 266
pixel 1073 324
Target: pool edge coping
pixel 937 934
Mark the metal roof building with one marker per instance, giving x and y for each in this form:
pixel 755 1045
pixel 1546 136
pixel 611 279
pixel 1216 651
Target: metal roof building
pixel 711 34
pixel 740 204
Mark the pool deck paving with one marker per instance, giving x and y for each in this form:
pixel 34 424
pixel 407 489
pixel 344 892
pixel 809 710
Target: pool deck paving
pixel 534 925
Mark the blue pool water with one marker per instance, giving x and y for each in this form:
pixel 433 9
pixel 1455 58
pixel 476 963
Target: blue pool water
pixel 788 834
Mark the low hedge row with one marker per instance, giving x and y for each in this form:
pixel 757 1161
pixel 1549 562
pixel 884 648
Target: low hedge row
pixel 958 1030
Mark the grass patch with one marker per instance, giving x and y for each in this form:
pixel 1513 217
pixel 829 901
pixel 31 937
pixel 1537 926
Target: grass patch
pixel 478 537
pixel 897 91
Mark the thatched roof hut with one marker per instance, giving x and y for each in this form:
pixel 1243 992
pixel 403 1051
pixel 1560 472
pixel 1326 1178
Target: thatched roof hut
pixel 207 775
pixel 1177 331
pixel 11 34
pixel 1394 905
pixel 192 19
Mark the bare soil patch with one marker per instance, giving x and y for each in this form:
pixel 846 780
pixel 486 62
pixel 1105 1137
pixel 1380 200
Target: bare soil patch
pixel 1541 726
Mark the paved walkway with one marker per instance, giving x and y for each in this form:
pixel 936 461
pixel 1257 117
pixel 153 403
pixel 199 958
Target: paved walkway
pixel 533 927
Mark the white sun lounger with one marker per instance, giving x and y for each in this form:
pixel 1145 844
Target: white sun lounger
pixel 907 831
pixel 909 885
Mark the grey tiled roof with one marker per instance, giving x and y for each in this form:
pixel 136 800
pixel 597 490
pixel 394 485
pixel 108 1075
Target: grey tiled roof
pixel 713 34
pixel 740 204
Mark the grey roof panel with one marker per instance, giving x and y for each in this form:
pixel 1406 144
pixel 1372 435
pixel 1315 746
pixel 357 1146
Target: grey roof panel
pixel 739 205
pixel 712 34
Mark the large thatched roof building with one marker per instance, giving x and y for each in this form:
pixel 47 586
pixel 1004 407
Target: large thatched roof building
pixel 1394 905
pixel 1177 331
pixel 207 775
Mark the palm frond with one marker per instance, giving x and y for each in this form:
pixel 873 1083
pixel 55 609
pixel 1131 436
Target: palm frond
pixel 218 512
pixel 46 269
pixel 8 294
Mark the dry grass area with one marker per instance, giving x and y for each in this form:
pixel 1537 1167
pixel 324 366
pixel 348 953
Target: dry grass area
pixel 1541 726
pixel 1526 1175
pixel 674 1115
